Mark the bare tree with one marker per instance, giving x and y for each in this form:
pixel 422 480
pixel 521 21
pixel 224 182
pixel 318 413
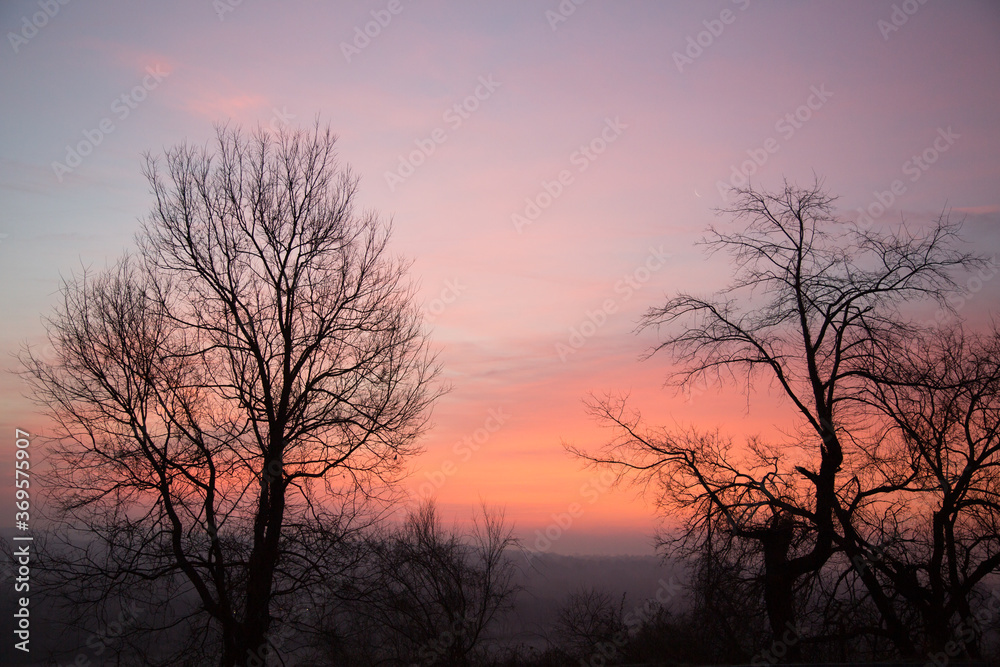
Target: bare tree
pixel 590 619
pixel 428 596
pixel 229 398
pixel 811 297
pixel 939 399
pixel 735 504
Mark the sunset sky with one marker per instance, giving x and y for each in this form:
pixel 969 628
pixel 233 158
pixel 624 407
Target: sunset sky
pixel 540 161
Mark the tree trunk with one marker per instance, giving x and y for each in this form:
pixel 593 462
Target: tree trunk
pixel 251 642
pixel 779 591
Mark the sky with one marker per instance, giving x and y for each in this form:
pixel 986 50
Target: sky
pixel 547 166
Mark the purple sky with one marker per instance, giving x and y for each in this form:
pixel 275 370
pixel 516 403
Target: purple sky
pixel 619 123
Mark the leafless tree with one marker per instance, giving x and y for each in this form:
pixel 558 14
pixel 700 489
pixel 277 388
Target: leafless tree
pixel 589 620
pixel 939 399
pixel 233 398
pixel 811 297
pixel 427 595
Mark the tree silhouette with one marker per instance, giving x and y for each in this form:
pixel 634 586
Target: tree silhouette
pixel 230 396
pixel 589 620
pixel 812 297
pixel 423 595
pixel 939 400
